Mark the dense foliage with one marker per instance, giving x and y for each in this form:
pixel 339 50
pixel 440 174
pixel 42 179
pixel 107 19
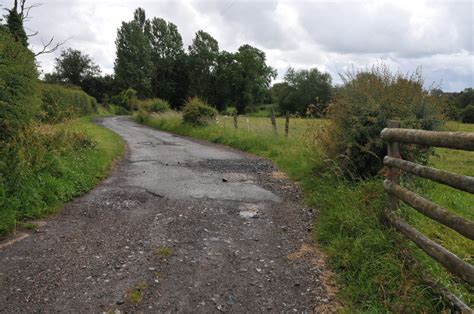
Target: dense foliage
pixel 302 89
pixel 197 112
pixel 156 105
pixel 15 24
pixel 362 108
pixel 126 99
pixel 18 87
pixel 467 114
pixel 60 103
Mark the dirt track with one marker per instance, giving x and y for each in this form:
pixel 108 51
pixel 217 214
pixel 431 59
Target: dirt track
pixel 180 225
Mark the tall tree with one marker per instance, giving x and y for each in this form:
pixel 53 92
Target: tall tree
pixel 203 53
pixel 255 76
pixel 169 80
pixel 242 78
pixel 15 23
pixel 73 67
pixel 133 65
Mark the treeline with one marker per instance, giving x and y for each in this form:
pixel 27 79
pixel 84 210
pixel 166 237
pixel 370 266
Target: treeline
pixel 151 59
pixel 457 106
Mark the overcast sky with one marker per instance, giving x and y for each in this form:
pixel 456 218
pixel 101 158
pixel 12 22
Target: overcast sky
pixel 333 36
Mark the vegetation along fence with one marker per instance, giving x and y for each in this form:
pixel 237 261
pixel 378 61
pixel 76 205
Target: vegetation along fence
pixel 394 135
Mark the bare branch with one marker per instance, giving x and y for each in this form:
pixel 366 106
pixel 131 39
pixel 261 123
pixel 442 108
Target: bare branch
pixel 26 15
pixel 33 34
pixel 49 47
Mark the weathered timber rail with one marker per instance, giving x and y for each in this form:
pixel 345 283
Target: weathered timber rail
pixel 394 135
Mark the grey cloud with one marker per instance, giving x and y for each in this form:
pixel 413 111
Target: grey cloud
pixel 331 35
pixel 382 27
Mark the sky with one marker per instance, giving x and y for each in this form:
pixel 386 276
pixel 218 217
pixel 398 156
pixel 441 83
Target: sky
pixel 333 36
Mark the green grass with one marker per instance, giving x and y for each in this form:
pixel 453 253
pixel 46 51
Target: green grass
pixel 135 295
pixel 368 258
pixel 164 252
pixel 66 166
pixel 458 202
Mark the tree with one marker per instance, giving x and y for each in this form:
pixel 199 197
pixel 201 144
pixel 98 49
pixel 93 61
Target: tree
pixel 242 78
pixel 466 98
pixel 73 67
pixel 133 65
pixel 15 23
pixel 304 88
pixel 100 87
pixel 203 54
pixel 169 80
pixel 255 76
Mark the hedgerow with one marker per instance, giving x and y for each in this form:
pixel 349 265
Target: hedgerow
pixel 59 103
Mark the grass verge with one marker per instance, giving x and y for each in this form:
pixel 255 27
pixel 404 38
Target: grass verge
pixel 369 259
pixel 67 160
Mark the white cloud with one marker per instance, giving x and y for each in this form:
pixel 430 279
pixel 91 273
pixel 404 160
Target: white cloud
pixel 331 35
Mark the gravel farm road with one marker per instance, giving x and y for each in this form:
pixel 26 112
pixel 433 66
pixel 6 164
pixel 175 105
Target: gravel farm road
pixel 180 225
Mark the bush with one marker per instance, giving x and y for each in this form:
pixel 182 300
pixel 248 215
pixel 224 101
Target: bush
pixel 154 105
pixel 141 116
pixel 19 101
pixel 197 112
pixel 127 99
pixel 362 108
pixel 230 111
pixel 60 103
pixel 117 110
pixel 467 114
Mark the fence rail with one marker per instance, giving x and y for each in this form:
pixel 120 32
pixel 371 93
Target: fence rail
pixel 394 135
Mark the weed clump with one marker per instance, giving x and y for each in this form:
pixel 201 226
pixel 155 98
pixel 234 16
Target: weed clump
pixel 164 252
pixel 197 112
pixel 135 295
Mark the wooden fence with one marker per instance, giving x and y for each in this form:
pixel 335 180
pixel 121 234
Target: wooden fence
pixel 393 135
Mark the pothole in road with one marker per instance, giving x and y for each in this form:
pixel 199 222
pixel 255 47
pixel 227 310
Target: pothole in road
pixel 249 211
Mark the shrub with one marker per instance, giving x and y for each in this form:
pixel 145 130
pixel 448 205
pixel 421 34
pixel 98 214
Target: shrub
pixel 154 105
pixel 362 108
pixel 141 116
pixel 117 110
pixel 60 103
pixel 197 112
pixel 127 99
pixel 230 111
pixel 467 114
pixel 19 100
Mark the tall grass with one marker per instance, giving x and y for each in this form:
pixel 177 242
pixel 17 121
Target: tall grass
pixel 64 160
pixel 368 258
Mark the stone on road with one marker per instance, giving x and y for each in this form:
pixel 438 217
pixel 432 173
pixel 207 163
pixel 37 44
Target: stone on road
pixel 179 226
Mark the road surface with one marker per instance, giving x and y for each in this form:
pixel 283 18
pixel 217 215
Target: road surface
pixel 179 226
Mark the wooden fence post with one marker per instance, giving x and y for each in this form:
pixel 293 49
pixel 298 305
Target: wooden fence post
pixel 393 174
pixel 235 120
pixel 272 118
pixel 287 123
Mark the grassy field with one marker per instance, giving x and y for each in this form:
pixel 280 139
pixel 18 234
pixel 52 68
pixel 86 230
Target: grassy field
pixel 368 258
pixel 70 159
pixel 461 203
